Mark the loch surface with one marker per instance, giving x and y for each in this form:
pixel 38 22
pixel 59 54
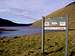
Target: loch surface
pixel 18 31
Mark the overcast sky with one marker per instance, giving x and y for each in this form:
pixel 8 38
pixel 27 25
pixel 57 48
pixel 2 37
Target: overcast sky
pixel 28 11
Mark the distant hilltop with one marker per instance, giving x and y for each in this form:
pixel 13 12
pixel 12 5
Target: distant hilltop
pixel 4 22
pixel 71 4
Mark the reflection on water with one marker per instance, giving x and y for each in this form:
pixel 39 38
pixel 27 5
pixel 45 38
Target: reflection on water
pixel 19 31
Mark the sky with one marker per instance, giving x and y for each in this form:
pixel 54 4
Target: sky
pixel 29 11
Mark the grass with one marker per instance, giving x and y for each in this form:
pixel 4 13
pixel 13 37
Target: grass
pixel 31 45
pixel 20 46
pixel 55 44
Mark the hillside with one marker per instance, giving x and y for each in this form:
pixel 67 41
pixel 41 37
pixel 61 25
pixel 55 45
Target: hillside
pixel 4 22
pixel 67 10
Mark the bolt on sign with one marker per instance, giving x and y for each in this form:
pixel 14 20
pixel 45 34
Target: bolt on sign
pixel 55 24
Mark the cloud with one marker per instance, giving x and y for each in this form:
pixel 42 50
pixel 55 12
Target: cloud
pixel 4 10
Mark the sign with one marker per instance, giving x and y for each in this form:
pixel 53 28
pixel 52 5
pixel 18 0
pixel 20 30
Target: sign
pixel 55 23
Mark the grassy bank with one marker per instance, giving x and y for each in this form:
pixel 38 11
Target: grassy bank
pixel 55 44
pixel 31 45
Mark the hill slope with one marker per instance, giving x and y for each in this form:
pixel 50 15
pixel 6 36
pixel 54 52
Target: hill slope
pixel 4 22
pixel 67 10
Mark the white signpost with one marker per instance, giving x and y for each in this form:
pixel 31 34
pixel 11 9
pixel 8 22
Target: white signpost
pixel 55 24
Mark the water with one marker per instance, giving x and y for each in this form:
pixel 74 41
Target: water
pixel 18 31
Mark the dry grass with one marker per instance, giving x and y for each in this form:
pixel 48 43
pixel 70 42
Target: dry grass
pixel 21 46
pixel 55 43
pixel 31 45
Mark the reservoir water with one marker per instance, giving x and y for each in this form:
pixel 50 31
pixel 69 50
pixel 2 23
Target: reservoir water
pixel 18 31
